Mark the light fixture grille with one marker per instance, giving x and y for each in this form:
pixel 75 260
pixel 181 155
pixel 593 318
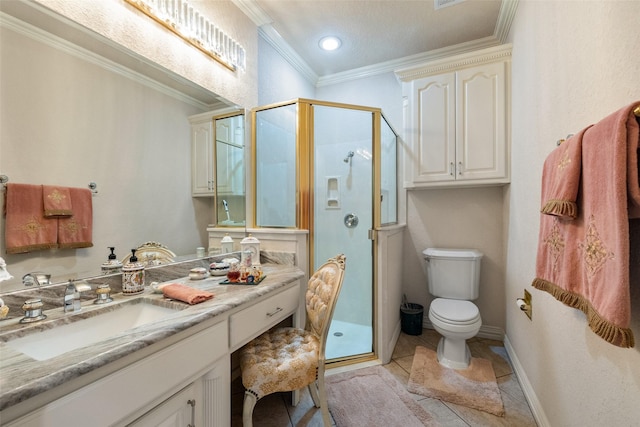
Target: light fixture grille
pixel 439 4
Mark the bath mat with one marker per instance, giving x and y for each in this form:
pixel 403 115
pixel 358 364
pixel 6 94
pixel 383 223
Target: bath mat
pixel 474 387
pixel 373 397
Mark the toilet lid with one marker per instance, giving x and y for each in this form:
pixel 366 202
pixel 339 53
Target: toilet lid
pixel 454 310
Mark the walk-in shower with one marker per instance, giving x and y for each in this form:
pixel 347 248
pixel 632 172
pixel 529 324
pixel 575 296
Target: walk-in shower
pixel 302 182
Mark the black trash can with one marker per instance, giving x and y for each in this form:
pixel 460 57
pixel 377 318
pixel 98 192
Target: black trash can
pixel 411 318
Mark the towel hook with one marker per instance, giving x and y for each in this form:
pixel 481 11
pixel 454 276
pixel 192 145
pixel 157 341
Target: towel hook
pixel 92 187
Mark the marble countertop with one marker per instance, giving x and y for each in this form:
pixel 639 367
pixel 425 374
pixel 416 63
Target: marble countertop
pixel 22 377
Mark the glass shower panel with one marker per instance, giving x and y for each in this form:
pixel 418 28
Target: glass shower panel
pixel 388 174
pixel 276 167
pixel 343 189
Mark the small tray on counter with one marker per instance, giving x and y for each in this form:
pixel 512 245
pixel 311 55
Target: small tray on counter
pixel 255 282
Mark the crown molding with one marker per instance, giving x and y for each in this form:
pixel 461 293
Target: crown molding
pixel 456 62
pixel 407 61
pixel 505 18
pixel 253 11
pixel 271 36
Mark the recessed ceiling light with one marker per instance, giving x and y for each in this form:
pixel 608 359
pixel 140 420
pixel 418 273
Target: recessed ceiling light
pixel 330 43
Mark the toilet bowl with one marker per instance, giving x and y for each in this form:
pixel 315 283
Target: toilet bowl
pixel 454 280
pixel 456 321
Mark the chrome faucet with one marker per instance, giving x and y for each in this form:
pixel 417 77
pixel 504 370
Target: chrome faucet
pixel 36 278
pixel 71 298
pixel 72 302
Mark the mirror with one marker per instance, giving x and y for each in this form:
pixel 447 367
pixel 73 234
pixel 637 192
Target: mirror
pixel 77 108
pixel 230 170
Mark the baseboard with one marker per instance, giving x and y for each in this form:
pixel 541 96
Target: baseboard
pixel 525 385
pixel 489 332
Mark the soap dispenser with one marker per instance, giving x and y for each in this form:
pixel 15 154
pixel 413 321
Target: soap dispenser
pixel 133 276
pixel 112 265
pixel 226 244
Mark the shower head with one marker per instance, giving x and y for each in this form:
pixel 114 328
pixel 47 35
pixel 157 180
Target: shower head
pixel 349 157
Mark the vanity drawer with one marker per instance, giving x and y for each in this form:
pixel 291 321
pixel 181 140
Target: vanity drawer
pixel 252 321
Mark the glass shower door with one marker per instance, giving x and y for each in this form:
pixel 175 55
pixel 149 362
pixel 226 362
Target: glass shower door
pixel 342 218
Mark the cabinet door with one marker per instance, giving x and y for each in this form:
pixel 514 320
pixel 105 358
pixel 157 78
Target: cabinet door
pixel 480 123
pixel 176 411
pixel 433 115
pixel 202 162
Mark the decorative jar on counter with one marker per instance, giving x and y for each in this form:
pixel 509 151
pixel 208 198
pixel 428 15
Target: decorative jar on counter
pixel 133 276
pixel 252 245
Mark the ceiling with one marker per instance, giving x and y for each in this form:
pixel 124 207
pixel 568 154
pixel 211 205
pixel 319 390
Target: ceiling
pixel 375 32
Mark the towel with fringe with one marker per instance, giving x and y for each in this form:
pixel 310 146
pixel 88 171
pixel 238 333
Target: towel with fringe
pixel 562 178
pixel 26 227
pixel 76 231
pixel 185 293
pixel 584 262
pixel 57 201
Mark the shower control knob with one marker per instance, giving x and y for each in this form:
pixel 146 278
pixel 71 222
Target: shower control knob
pixel 351 220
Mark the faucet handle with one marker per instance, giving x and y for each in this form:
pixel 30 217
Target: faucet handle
pixel 32 311
pixel 103 293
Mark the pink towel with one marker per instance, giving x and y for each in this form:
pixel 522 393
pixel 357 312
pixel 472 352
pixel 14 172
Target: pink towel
pixel 26 227
pixel 562 178
pixel 77 231
pixel 57 201
pixel 186 293
pixel 585 262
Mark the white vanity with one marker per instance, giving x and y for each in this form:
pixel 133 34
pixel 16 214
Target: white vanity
pixel 174 371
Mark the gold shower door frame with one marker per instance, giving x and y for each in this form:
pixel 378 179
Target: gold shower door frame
pixel 305 191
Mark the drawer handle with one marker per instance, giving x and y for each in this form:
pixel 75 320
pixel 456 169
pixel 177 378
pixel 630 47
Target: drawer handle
pixel 273 313
pixel 192 403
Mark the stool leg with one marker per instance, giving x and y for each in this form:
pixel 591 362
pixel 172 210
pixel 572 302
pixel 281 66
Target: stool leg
pixel 324 405
pixel 313 391
pixel 247 409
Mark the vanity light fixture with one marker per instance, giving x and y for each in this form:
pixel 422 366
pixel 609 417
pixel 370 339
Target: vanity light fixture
pixel 181 18
pixel 330 43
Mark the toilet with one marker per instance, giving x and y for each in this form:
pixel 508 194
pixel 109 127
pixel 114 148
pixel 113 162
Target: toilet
pixel 454 280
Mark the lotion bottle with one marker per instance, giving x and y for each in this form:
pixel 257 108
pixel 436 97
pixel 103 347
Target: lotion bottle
pixel 133 276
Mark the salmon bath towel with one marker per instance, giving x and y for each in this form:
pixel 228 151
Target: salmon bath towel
pixel 26 227
pixel 76 231
pixel 563 169
pixel 57 201
pixel 584 262
pixel 185 293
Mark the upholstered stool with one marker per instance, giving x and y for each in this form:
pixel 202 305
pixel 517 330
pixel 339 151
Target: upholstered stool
pixel 288 359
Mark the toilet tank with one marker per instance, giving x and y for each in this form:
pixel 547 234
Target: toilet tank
pixel 453 273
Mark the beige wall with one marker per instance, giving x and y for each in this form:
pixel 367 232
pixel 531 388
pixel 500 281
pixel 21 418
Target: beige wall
pixel 573 64
pixel 457 218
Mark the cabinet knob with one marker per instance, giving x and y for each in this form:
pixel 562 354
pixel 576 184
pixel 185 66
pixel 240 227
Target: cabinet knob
pixel 459 168
pixel 451 168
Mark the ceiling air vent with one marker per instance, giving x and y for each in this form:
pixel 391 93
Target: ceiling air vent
pixel 439 4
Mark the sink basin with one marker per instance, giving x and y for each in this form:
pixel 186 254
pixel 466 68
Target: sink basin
pixel 86 331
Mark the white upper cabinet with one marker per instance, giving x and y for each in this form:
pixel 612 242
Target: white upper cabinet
pixel 202 158
pixel 457 121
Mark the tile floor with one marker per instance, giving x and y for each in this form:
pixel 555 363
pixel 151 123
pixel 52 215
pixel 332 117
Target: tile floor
pixel 276 410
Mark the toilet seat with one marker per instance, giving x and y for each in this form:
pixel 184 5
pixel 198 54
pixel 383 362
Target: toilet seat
pixel 454 312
